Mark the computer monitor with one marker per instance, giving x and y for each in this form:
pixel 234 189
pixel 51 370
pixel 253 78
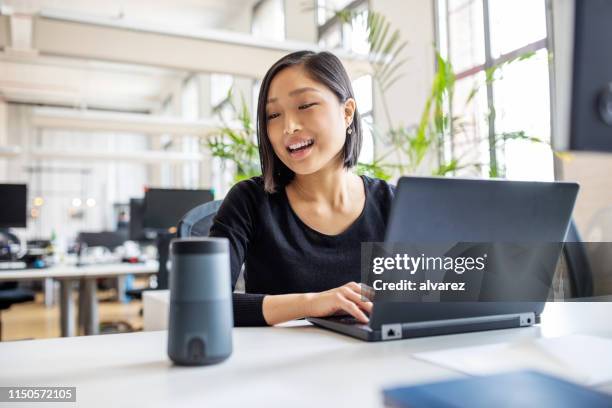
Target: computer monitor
pixel 164 208
pixel 136 230
pixel 13 208
pixel 591 105
pixel 107 239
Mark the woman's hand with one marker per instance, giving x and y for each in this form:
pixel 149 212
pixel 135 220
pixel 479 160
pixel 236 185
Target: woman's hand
pixel 344 299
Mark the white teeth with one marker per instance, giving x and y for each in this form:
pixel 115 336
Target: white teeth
pixel 301 144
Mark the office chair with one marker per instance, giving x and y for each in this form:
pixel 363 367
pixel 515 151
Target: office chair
pixel 10 294
pixel 197 222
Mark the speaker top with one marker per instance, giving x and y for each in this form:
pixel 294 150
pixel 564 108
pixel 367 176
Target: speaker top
pixel 199 246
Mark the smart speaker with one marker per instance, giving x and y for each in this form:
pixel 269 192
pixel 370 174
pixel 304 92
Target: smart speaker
pixel 201 320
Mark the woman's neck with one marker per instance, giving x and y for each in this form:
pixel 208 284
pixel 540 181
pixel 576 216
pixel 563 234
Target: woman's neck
pixel 334 187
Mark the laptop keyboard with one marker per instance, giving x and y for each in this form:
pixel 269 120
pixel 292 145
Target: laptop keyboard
pixel 350 320
pixel 345 319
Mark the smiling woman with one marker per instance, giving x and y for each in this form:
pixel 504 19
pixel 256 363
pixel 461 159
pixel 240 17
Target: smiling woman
pixel 298 228
pixel 312 91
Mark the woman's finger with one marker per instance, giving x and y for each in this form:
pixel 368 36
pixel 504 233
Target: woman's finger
pixel 354 310
pixel 359 300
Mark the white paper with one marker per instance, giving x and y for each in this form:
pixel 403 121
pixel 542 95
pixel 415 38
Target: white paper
pixel 579 358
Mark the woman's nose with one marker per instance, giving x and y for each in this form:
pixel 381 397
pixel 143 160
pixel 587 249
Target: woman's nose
pixel 291 126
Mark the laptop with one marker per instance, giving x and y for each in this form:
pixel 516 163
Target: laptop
pixel 438 209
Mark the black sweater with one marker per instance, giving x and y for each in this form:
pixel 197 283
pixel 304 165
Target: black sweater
pixel 283 255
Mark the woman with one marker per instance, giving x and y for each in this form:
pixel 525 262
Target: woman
pixel 298 228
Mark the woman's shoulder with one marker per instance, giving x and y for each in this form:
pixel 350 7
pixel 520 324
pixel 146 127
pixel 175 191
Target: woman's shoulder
pixel 241 205
pixel 253 184
pixel 249 192
pixel 379 188
pixel 251 188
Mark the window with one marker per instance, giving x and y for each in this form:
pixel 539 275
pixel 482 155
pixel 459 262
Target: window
pixel 221 175
pixel 333 34
pixel 190 100
pixel 476 35
pixel 220 86
pixel 190 110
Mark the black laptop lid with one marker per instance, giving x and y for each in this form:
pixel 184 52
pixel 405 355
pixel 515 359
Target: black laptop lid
pixel 432 209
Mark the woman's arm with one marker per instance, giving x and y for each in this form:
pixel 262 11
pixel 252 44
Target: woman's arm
pixel 236 220
pixel 347 298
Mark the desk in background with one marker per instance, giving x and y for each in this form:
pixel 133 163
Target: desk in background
pixel 70 275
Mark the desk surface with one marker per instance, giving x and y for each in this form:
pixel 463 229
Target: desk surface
pixel 73 271
pixel 292 365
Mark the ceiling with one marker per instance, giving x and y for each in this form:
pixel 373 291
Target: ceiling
pixel 27 77
pixel 185 13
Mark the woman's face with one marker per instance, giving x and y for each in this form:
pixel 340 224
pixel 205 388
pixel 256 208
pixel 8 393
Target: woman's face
pixel 306 122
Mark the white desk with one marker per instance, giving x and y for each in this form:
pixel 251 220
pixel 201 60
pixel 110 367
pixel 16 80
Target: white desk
pixel 74 272
pixel 299 365
pixel 68 275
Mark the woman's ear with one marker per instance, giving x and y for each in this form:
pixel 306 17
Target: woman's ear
pixel 349 111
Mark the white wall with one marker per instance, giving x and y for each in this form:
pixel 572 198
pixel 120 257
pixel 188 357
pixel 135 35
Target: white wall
pixel 300 20
pixel 415 20
pixel 562 31
pixel 241 21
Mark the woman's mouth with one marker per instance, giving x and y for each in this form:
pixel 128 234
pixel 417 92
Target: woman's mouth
pixel 301 149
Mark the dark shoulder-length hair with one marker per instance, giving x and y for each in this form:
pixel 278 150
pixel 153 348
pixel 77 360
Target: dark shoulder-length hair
pixel 325 68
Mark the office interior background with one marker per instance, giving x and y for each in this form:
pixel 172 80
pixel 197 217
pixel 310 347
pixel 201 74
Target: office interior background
pixel 100 101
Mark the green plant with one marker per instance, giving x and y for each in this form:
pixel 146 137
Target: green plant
pixel 235 143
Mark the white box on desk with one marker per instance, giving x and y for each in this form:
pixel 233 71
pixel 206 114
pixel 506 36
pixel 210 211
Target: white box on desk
pixel 155 306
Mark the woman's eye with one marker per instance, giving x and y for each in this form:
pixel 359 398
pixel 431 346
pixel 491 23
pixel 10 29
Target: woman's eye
pixel 273 115
pixel 306 106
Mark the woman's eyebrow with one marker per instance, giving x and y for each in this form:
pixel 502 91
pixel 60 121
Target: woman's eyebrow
pixel 302 90
pixel 296 92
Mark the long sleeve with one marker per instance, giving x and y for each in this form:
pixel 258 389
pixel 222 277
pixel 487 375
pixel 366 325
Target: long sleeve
pixel 236 220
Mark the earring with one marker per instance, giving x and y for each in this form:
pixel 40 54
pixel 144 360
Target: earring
pixel 349 131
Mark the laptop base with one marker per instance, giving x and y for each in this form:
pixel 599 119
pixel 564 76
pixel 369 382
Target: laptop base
pixel 398 331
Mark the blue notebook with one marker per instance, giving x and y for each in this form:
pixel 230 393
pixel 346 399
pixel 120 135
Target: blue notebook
pixel 515 389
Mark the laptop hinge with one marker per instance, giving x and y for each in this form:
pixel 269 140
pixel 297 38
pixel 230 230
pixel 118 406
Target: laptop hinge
pixel 393 331
pixel 524 319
